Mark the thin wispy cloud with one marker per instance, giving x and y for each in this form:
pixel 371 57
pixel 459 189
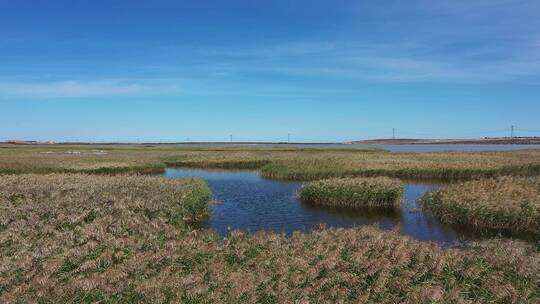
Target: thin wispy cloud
pixel 445 42
pixel 78 88
pixel 382 62
pixel 317 69
pixel 408 62
pixel 272 50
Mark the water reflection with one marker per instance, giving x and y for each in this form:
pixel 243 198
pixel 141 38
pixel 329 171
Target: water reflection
pixel 416 148
pixel 244 200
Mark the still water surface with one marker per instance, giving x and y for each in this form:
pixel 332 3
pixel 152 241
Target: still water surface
pixel 246 201
pixel 423 148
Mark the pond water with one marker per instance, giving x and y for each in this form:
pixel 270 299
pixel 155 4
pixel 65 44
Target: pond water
pixel 416 148
pixel 246 201
pixel 425 148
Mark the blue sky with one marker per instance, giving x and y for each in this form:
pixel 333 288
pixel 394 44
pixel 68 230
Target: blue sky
pixel 320 70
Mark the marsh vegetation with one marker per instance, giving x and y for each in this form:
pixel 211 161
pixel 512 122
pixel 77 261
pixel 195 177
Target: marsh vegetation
pixel 504 203
pixel 79 235
pixel 287 164
pixel 83 238
pixel 371 193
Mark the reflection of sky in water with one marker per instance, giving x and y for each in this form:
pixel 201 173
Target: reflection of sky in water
pixel 393 148
pixel 248 202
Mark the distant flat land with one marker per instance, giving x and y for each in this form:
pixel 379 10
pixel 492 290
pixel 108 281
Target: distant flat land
pixel 475 141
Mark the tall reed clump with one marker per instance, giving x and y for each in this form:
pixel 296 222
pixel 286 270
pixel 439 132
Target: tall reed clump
pixel 376 192
pixel 504 203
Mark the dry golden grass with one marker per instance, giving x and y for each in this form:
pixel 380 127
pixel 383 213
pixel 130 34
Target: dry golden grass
pixel 48 222
pixel 320 163
pixel 359 192
pixel 444 165
pixel 82 159
pixel 110 239
pixel 508 203
pixel 294 164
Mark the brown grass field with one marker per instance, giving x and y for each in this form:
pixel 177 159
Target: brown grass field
pixel 111 239
pixel 115 238
pixel 292 164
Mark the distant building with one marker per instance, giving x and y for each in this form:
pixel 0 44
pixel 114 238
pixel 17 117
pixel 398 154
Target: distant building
pixel 28 142
pixel 20 142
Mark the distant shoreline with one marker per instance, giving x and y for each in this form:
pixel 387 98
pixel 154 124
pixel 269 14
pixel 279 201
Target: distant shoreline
pixel 383 141
pixel 21 142
pixel 477 141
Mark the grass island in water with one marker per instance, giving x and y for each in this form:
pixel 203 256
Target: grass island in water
pixel 372 193
pixel 504 203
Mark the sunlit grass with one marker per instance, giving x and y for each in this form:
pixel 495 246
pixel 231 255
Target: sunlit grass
pixel 288 164
pixel 507 203
pixel 94 238
pixel 373 193
pixel 452 167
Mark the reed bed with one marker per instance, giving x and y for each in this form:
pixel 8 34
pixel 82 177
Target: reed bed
pixel 457 169
pixel 224 164
pixel 72 238
pixel 372 193
pixel 81 159
pixel 504 203
pixel 287 164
